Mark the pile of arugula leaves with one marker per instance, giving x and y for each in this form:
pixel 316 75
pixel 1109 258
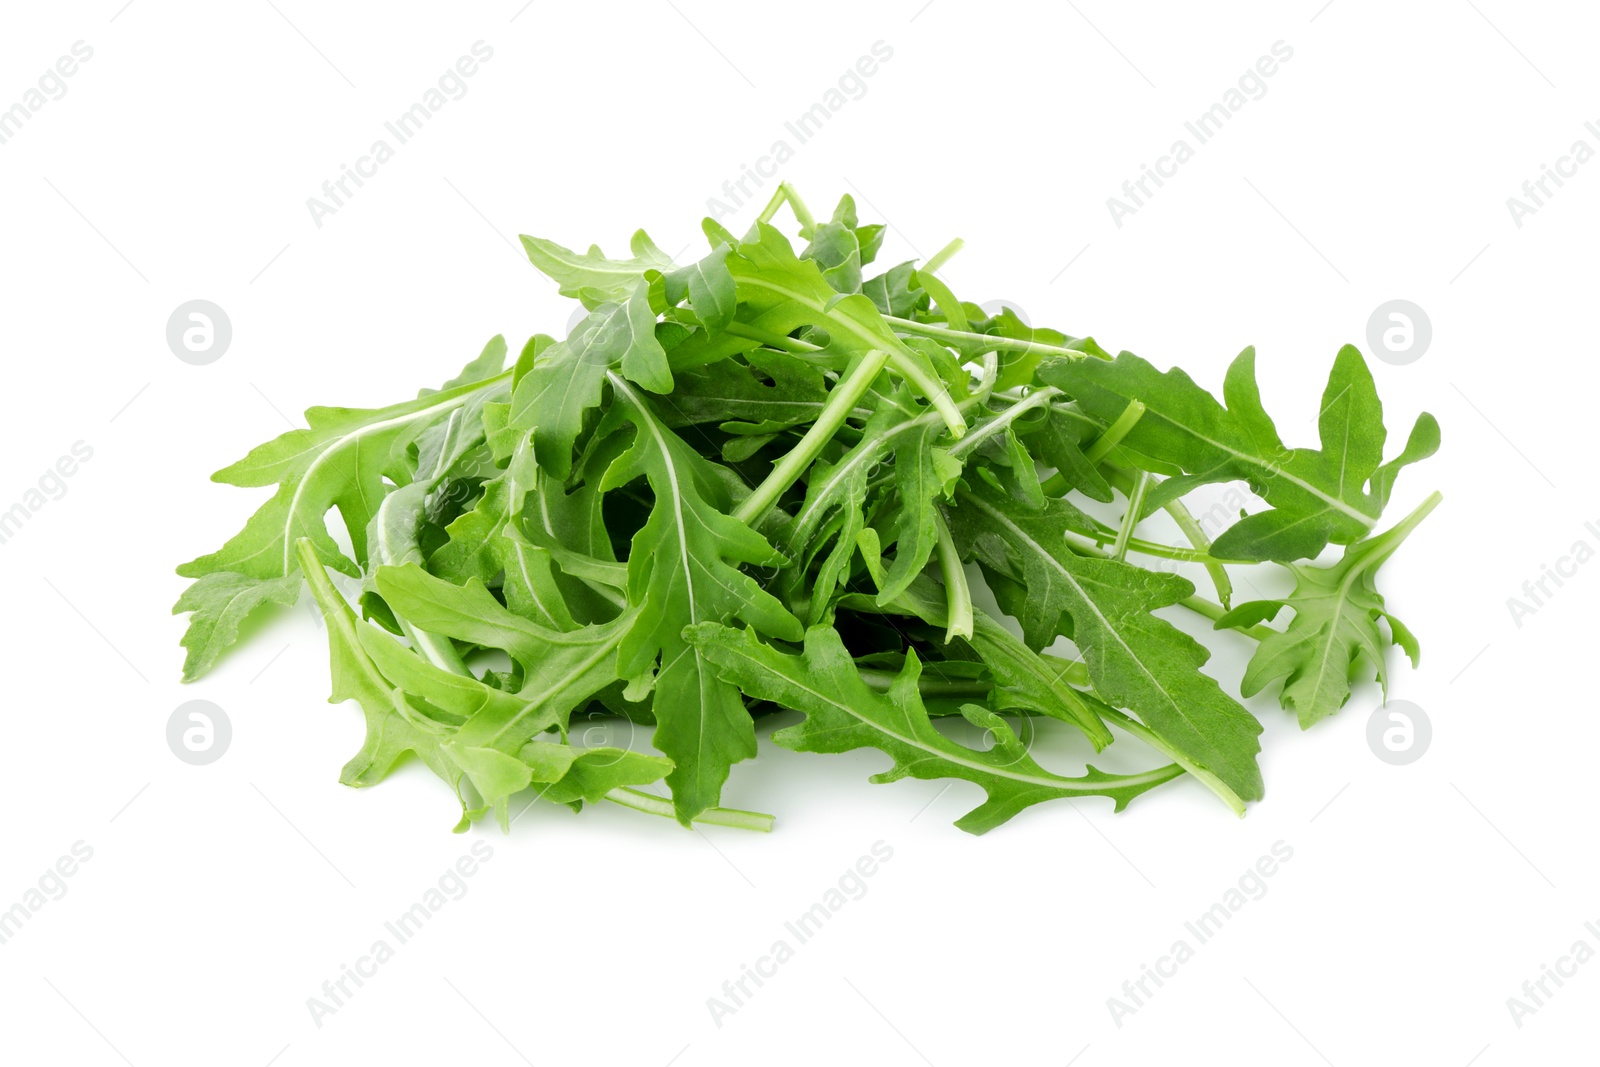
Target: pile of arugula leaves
pixel 765 480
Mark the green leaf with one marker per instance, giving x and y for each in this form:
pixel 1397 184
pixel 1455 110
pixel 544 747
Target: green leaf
pixel 1059 445
pixel 1022 678
pixel 682 570
pixel 837 490
pixel 470 613
pixel 485 545
pixel 1017 368
pixel 790 292
pixel 529 355
pixel 770 276
pixel 1423 442
pixel 346 459
pixel 709 287
pixel 486 364
pixel 844 713
pixel 592 271
pixel 561 671
pixel 221 602
pixel 566 381
pixel 394 532
pixel 577 775
pixel 836 249
pixel 923 473
pixel 1136 660
pixel 341 462
pixel 393 726
pixel 1317 496
pixel 896 292
pixel 789 392
pixel 1334 630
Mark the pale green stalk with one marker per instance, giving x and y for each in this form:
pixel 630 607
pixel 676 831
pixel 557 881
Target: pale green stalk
pixel 787 471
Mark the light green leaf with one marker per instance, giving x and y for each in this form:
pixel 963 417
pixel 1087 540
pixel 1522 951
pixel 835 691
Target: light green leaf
pixel 592 270
pixel 1334 630
pixel 221 602
pixel 566 380
pixel 486 364
pixel 578 775
pixel 709 287
pixel 347 459
pixel 393 726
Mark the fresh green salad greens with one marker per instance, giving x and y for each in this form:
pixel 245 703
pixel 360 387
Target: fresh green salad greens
pixel 768 480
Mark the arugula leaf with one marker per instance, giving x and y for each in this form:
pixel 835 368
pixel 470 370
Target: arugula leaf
pixel 569 775
pixel 844 713
pixel 592 272
pixel 836 249
pixel 708 286
pixel 837 491
pixel 772 279
pixel 395 533
pixel 562 671
pixel 774 389
pixel 393 727
pixel 343 460
pixel 1136 660
pixel 1334 629
pixel 340 462
pixel 1023 679
pixel 566 381
pixel 681 571
pixel 896 292
pixel 221 602
pixel 1317 496
pixel 923 473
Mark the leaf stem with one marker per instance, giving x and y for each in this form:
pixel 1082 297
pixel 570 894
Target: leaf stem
pixel 978 434
pixel 841 401
pixel 1214 611
pixel 943 256
pixel 986 341
pixel 770 339
pixel 931 387
pixel 958 595
pixel 650 804
pixel 1141 485
pixel 802 214
pixel 1110 437
pixel 1192 532
pixel 901 358
pixel 955 316
pixel 1383 545
pixel 1181 515
pixel 1102 446
pixel 1151 548
pixel 774 202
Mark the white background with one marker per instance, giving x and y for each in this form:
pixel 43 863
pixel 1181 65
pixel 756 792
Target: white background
pixel 219 898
